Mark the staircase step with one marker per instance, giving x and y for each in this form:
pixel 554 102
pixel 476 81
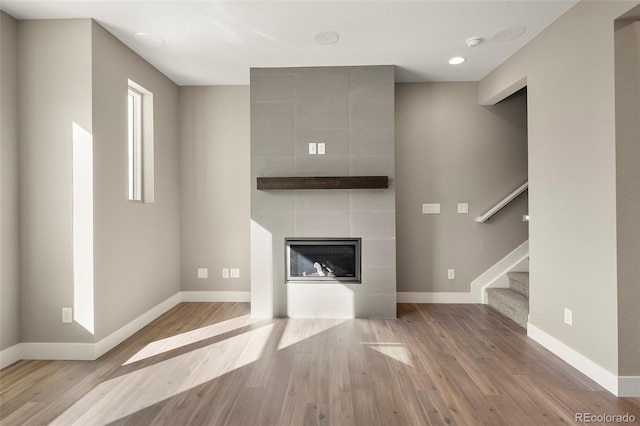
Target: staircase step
pixel 510 303
pixel 519 282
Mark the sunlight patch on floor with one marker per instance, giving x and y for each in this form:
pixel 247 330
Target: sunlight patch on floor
pixel 299 329
pixel 183 339
pixel 124 395
pixel 396 351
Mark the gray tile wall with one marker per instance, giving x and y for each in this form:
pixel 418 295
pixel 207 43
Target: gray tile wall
pixel 351 110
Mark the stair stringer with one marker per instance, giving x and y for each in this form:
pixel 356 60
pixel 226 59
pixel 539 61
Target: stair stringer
pixel 496 276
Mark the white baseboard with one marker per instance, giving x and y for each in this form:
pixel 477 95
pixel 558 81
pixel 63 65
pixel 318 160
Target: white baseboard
pixel 493 274
pixel 84 351
pixel 10 355
pixel 59 351
pixel 423 297
pixel 478 286
pixel 619 386
pixel 629 386
pixel 216 296
pixel 123 333
pixel 47 351
pixel 92 351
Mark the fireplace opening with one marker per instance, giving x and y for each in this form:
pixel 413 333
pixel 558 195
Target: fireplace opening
pixel 322 259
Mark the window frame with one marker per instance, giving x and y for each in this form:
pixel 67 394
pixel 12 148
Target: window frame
pixel 134 143
pixel 140 144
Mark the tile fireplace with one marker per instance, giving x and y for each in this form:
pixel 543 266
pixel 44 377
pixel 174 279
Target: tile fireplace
pixel 340 204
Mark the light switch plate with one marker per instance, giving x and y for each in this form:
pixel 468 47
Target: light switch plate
pixel 235 273
pixel 431 208
pixel 568 316
pixel 451 274
pixel 463 208
pixel 321 148
pixel 225 272
pixel 203 273
pixel 67 315
pixel 312 149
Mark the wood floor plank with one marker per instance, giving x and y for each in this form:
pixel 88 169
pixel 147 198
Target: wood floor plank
pixel 435 408
pixel 341 402
pixel 211 364
pixel 364 407
pixel 316 415
pixel 294 404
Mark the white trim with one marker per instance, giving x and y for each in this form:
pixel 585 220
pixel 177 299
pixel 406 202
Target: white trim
pixel 424 297
pixel 59 351
pixel 216 296
pixel 84 351
pixel 92 351
pixel 478 286
pixel 10 355
pixel 114 339
pixel 595 372
pixel 629 386
pixel 491 275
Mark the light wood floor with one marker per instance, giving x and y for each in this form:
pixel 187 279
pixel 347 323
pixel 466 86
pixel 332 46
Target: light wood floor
pixel 210 363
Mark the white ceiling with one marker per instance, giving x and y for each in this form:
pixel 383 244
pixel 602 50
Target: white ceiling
pixel 216 42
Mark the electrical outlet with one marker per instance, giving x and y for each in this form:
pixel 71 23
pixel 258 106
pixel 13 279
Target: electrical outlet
pixel 321 148
pixel 225 272
pixel 312 148
pixel 463 208
pixel 568 316
pixel 203 273
pixel 235 273
pixel 67 315
pixel 451 274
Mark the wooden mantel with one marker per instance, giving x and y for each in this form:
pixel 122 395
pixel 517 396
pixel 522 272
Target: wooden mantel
pixel 333 182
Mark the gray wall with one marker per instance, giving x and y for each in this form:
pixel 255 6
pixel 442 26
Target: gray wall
pixel 627 60
pixel 351 110
pixel 9 222
pixel 450 150
pixel 137 245
pixel 54 68
pixel 214 154
pixel 569 70
pixel 73 71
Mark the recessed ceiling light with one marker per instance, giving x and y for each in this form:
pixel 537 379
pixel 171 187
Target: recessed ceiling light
pixel 509 33
pixel 327 37
pixel 457 60
pixel 149 39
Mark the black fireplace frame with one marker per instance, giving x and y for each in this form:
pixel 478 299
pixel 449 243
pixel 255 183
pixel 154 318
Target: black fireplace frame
pixel 327 241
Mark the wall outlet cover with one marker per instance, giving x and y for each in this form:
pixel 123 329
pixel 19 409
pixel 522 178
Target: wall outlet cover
pixel 225 272
pixel 568 316
pixel 203 273
pixel 235 273
pixel 463 208
pixel 321 148
pixel 433 208
pixel 451 274
pixel 67 315
pixel 312 149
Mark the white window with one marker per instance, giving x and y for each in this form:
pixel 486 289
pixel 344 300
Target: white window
pixel 135 145
pixel 140 143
